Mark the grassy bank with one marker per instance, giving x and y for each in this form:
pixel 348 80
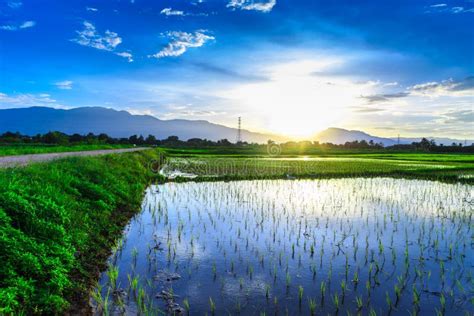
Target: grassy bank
pixel 28 149
pixel 57 223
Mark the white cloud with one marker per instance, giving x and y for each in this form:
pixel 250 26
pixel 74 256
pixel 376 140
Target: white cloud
pixel 461 10
pixel 26 100
pixel 15 27
pixel 14 4
pixel 91 38
pixel 64 85
pixel 181 41
pixel 92 9
pixel 27 24
pixel 107 41
pixel 180 111
pixel 448 87
pixel 384 97
pixel 8 27
pixel 458 116
pixel 445 88
pixel 169 11
pixel 444 8
pixel 126 55
pixel 265 6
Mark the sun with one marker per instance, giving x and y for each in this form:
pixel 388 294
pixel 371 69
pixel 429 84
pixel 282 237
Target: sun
pixel 296 101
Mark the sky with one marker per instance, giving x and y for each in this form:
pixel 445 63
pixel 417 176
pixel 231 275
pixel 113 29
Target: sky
pixel 291 67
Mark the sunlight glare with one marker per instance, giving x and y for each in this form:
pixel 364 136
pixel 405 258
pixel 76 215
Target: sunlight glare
pixel 296 98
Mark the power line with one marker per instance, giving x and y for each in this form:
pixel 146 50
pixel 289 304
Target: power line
pixel 239 130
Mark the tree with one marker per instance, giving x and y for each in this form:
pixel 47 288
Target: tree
pixel 10 137
pixel 224 142
pixel 133 139
pixel 76 138
pixel 425 144
pixel 196 142
pixel 103 138
pixel 91 138
pixel 151 140
pixel 55 138
pixel 172 139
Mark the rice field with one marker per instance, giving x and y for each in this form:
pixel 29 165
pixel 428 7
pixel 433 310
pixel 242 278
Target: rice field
pixel 223 167
pixel 359 246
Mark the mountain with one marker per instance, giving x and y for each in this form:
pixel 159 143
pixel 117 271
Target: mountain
pixel 340 136
pixel 439 140
pixel 40 120
pixel 34 120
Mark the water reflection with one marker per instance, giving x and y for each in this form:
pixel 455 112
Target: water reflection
pixel 297 247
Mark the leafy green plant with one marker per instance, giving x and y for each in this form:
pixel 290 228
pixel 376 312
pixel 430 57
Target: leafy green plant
pixel 312 306
pixel 300 294
pixel 59 219
pixel 212 305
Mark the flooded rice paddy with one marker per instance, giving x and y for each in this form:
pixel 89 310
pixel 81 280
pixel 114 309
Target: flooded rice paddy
pixel 364 246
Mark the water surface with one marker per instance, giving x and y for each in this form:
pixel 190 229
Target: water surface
pixel 296 247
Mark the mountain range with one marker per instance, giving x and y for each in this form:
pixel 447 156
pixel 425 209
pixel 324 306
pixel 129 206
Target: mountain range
pixel 340 136
pixel 83 120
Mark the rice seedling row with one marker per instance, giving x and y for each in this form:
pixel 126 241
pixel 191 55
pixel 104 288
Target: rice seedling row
pixel 297 247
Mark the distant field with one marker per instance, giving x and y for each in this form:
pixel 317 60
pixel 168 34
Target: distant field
pixel 28 149
pixel 251 162
pixel 468 158
pixel 252 151
pixel 450 167
pixel 356 153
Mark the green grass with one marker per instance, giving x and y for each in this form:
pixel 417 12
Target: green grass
pixel 450 169
pixel 27 149
pixel 252 150
pixel 333 152
pixel 262 151
pixel 58 222
pixel 464 158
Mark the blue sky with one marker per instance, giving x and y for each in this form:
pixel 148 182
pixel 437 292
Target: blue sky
pixel 285 66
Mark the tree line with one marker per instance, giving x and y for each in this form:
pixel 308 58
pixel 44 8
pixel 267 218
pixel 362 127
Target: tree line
pixel 59 138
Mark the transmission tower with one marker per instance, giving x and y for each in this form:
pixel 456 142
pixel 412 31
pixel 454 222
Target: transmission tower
pixel 239 131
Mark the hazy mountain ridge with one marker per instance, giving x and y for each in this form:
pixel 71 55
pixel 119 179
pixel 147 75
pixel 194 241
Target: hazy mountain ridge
pixel 34 120
pixel 40 120
pixel 341 136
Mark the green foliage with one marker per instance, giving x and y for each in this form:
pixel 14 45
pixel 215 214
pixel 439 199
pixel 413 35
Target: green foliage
pixel 28 149
pixel 57 222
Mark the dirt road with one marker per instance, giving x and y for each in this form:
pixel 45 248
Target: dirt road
pixel 23 160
